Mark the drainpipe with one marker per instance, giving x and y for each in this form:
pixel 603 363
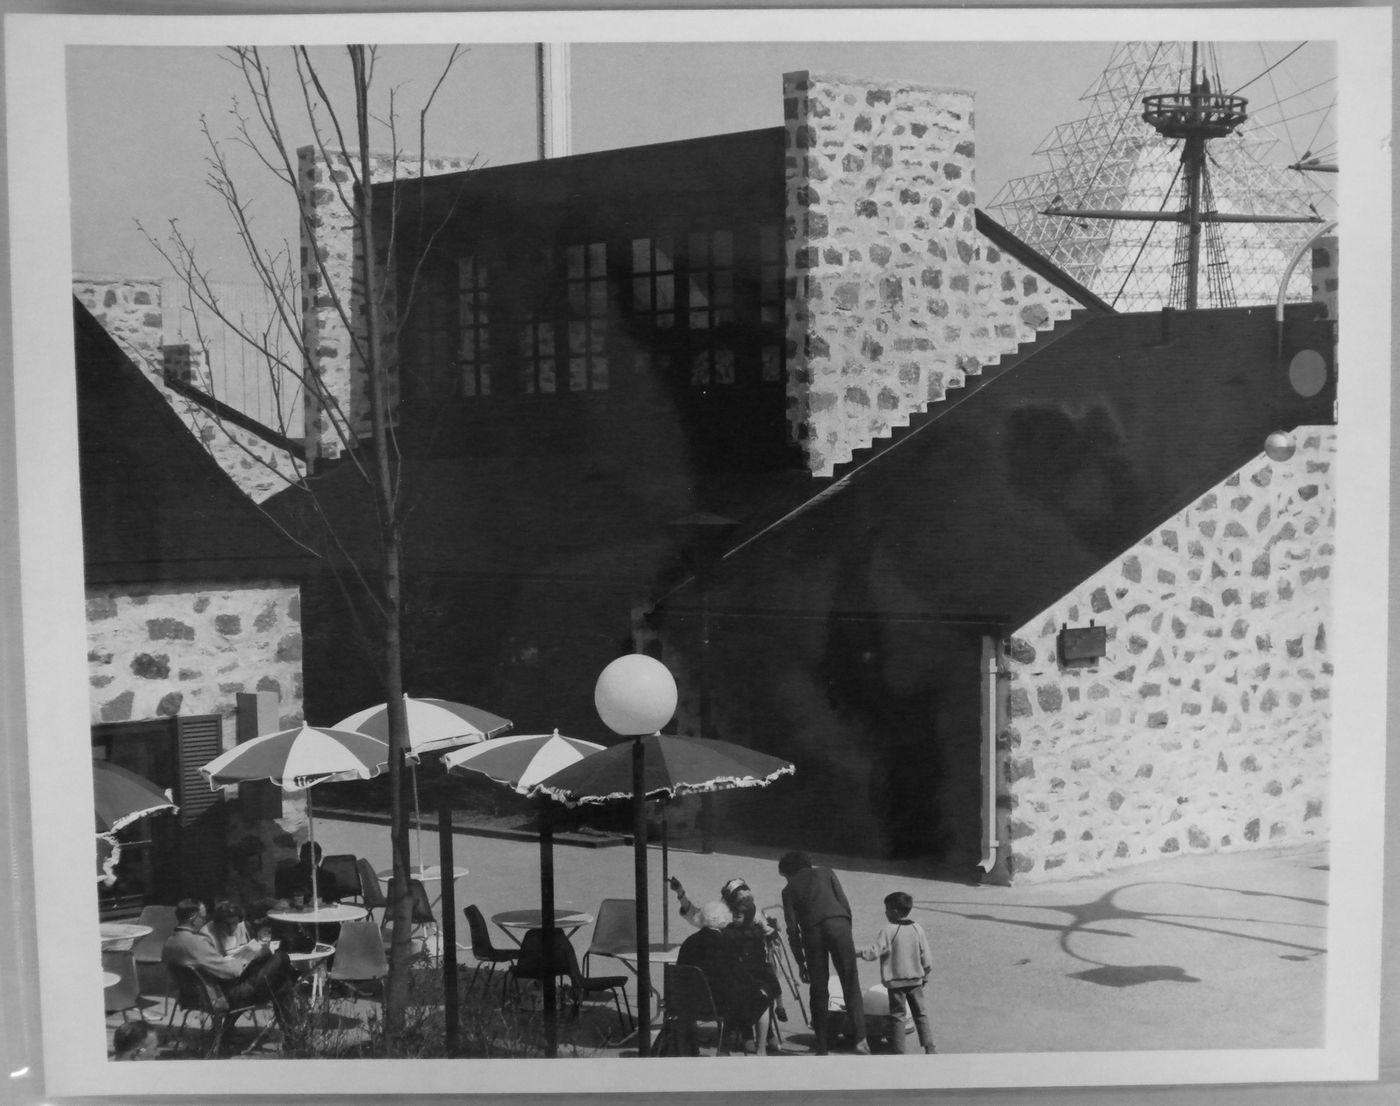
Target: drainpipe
pixel 1288 275
pixel 990 672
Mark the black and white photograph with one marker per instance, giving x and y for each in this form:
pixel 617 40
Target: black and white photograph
pixel 561 544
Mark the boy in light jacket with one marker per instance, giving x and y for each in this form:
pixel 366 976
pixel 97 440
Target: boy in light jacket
pixel 905 964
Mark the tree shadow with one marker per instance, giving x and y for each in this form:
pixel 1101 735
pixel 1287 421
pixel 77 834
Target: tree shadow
pixel 1087 919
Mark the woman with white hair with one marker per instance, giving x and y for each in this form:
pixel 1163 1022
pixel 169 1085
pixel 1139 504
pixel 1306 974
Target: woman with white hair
pixel 739 998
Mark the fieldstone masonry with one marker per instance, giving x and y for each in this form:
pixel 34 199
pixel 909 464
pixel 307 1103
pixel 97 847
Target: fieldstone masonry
pixel 130 310
pixel 893 295
pixel 1206 727
pixel 337 406
pixel 161 650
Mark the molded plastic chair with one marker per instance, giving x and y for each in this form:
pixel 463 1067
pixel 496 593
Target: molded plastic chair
pixel 151 976
pixel 161 919
pixel 615 930
pixel 372 895
pixel 196 993
pixel 487 955
pixel 530 963
pixel 688 1003
pixel 359 955
pixel 584 985
pixel 125 993
pixel 344 868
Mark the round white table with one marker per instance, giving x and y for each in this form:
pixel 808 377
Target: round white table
pixel 429 874
pixel 315 962
pixel 121 935
pixel 324 914
pixel 518 921
pixel 110 979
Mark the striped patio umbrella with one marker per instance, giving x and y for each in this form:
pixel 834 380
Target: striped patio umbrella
pixel 434 725
pixel 520 761
pixel 120 798
pixel 298 758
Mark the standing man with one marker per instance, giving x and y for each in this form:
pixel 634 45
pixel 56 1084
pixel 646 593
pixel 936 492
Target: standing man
pixel 819 926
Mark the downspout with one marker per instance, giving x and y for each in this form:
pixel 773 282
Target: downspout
pixel 1288 275
pixel 990 672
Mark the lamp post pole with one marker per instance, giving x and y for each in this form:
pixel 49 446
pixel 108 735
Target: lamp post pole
pixel 639 859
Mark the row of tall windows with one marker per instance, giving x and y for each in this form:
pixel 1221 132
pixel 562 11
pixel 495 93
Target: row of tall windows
pixel 704 307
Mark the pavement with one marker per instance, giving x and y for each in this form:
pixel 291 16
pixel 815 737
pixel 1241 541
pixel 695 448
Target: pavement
pixel 1193 952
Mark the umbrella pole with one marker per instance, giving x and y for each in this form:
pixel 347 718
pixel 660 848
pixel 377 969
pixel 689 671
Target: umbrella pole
pixel 448 932
pixel 417 818
pixel 639 841
pixel 550 996
pixel 311 835
pixel 665 874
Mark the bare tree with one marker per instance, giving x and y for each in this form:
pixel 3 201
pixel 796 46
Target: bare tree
pixel 372 584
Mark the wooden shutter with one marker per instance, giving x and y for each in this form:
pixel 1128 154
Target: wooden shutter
pixel 203 818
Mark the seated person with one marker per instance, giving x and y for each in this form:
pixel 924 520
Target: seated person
pixel 752 934
pixel 739 998
pixel 226 927
pixel 297 881
pixel 253 973
pixel 134 1040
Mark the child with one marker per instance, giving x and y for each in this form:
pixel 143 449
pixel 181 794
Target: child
pixel 902 950
pixel 134 1040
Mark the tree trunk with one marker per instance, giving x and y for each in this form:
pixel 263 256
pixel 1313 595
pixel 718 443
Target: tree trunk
pixel 391 536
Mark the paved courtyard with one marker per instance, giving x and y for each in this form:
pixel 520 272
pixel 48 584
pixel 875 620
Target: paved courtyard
pixel 1195 952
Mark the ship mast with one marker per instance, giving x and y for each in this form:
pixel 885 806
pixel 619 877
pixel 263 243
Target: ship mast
pixel 1194 118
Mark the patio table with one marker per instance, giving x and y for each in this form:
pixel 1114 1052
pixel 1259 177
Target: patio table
pixel 431 873
pixel 109 979
pixel 515 922
pixel 121 935
pixel 315 962
pixel 325 914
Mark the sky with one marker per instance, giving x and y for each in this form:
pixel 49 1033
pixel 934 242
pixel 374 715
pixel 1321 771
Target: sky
pixel 137 152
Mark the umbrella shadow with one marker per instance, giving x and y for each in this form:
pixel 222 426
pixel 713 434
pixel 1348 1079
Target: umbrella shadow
pixel 1089 919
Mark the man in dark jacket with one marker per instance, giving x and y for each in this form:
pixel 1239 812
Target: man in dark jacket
pixel 819 927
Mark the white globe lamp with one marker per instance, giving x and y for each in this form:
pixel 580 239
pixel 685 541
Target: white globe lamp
pixel 635 694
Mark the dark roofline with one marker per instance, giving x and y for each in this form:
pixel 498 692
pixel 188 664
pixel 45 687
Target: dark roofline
pixel 1039 264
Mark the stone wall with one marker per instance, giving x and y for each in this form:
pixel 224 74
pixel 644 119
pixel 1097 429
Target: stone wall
pixel 1206 727
pixel 893 295
pixel 166 649
pixel 337 406
pixel 130 310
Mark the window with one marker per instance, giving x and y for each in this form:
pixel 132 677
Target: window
pixel 473 353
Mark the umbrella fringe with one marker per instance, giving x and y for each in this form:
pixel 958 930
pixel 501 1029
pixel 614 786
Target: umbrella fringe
pixel 136 815
pixel 680 790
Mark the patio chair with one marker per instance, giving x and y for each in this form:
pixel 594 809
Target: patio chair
pixel 125 993
pixel 688 1003
pixel 372 896
pixel 614 932
pixel 359 955
pixel 344 868
pixel 530 963
pixel 197 993
pixel 584 985
pixel 487 955
pixel 425 927
pixel 151 976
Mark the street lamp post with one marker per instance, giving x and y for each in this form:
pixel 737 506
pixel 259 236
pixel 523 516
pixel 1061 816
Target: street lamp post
pixel 636 696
